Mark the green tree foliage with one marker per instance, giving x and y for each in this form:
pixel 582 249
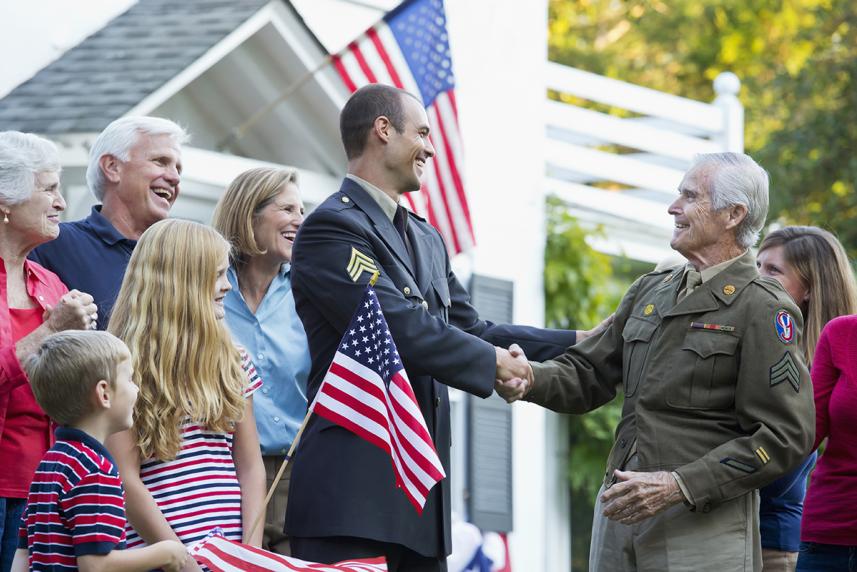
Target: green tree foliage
pixel 580 291
pixel 797 60
pixel 577 278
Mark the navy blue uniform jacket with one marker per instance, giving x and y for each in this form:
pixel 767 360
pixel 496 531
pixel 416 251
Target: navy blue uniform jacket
pixel 342 485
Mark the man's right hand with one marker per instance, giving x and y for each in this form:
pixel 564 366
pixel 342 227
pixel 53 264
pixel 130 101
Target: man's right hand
pixel 74 311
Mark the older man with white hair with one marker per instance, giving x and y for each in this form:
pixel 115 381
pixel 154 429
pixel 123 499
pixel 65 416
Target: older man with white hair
pixel 717 399
pixel 134 171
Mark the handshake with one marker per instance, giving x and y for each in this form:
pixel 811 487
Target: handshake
pixel 514 374
pixel 515 378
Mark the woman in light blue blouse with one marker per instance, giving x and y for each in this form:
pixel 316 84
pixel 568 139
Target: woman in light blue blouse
pixel 260 214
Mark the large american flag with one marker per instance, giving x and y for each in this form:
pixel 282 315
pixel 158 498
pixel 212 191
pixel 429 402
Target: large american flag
pixel 367 391
pixel 409 49
pixel 218 554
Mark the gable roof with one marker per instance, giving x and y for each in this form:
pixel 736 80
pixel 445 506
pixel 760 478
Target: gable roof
pixel 112 70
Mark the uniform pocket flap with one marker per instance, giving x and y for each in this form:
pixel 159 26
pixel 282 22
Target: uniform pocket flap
pixel 442 289
pixel 638 330
pixel 706 343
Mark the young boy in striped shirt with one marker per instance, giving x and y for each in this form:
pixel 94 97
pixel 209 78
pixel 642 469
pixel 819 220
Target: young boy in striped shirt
pixel 75 515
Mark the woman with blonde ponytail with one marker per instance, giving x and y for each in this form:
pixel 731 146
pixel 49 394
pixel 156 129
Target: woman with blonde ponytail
pixel 191 461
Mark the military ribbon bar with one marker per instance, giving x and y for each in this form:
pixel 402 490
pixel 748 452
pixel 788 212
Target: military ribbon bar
pixel 716 327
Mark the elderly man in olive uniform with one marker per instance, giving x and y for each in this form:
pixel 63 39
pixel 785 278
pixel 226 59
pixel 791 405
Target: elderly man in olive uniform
pixel 717 398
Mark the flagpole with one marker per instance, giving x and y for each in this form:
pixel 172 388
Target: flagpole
pixel 258 520
pixel 238 133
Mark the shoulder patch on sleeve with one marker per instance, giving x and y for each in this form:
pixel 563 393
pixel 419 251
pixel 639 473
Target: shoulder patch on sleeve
pixel 358 264
pixel 786 370
pixel 785 326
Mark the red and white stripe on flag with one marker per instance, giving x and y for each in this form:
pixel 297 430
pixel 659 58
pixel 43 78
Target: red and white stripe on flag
pixel 221 555
pixel 375 57
pixel 356 398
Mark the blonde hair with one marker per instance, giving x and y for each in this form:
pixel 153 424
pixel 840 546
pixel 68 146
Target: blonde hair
pixel 183 358
pixel 822 266
pixel 67 366
pixel 246 196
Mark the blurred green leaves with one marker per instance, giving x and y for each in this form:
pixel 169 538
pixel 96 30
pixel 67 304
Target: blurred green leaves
pixel 797 60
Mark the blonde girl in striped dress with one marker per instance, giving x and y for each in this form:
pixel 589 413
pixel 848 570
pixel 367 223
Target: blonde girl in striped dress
pixel 191 462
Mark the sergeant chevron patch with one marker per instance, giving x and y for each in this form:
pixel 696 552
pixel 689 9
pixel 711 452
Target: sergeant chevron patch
pixel 786 370
pixel 359 264
pixel 738 465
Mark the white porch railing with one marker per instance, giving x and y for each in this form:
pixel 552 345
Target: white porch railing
pixel 628 192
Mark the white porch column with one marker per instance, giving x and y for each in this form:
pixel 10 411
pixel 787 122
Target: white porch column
pixel 499 49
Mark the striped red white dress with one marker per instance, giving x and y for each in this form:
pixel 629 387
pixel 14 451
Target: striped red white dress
pixel 198 490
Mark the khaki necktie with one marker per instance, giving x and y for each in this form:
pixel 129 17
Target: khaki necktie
pixel 692 282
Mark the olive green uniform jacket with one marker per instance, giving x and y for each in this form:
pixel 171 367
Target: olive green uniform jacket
pixel 714 390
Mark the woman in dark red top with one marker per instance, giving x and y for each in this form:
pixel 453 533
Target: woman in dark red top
pixel 33 304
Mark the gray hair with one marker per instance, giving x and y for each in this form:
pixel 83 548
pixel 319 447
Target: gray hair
pixel 117 140
pixel 22 157
pixel 736 179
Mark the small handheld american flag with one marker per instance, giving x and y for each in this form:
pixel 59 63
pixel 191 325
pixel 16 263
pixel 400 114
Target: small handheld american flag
pixel 367 391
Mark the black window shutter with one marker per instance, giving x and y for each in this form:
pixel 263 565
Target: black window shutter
pixel 489 425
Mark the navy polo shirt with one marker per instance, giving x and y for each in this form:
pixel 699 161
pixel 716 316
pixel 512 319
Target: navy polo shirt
pixel 89 255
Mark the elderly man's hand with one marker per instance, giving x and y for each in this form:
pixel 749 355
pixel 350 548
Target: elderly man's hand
pixel 637 496
pixel 74 311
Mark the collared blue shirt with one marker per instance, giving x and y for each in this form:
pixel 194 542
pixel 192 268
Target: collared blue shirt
pixel 275 339
pixel 89 255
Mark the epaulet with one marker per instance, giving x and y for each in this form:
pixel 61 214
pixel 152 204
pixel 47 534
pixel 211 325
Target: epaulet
pixel 771 286
pixel 664 271
pixel 338 201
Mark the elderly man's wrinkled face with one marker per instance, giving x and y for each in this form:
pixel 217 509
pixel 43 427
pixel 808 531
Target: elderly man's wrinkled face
pixel 149 179
pixel 698 226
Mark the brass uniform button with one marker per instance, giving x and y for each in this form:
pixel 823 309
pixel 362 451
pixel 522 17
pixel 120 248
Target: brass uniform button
pixel 647 311
pixel 729 289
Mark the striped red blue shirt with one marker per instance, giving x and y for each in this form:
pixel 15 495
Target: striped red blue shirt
pixel 76 504
pixel 198 490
